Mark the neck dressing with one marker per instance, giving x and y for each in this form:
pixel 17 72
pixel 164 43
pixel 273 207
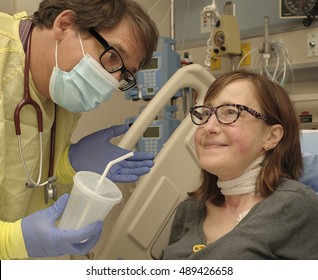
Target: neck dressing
pixel 245 183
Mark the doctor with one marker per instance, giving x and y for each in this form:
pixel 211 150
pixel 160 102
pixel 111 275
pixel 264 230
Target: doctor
pixel 68 58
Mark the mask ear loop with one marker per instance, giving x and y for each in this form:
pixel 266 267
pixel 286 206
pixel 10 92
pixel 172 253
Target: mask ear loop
pixel 56 44
pixel 79 36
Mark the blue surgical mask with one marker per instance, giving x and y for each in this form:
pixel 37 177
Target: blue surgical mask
pixel 83 88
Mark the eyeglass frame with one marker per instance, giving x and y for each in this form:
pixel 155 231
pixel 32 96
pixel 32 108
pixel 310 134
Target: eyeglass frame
pixel 107 48
pixel 241 108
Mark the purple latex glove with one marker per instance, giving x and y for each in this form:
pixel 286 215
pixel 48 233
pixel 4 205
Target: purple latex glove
pixel 43 239
pixel 95 151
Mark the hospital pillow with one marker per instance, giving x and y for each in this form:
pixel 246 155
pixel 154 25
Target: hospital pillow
pixel 310 173
pixel 309 148
pixel 309 141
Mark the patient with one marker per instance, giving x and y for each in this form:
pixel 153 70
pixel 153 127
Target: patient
pixel 250 204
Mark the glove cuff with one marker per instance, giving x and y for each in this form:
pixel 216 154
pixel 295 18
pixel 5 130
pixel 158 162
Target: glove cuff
pixel 65 171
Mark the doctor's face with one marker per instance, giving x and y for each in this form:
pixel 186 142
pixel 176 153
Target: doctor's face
pixel 121 37
pixel 226 150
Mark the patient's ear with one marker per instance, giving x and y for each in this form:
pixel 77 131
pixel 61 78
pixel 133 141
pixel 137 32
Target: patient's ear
pixel 273 136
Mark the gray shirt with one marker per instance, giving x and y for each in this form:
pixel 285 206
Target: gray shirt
pixel 282 226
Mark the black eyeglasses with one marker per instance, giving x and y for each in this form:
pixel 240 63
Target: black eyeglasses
pixel 112 62
pixel 225 113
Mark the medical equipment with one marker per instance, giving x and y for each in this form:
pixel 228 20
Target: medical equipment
pixel 308 141
pixel 142 228
pixel 210 11
pixel 298 9
pixel 272 60
pixel 49 190
pixel 159 131
pixel 164 63
pixel 225 35
pixel 311 15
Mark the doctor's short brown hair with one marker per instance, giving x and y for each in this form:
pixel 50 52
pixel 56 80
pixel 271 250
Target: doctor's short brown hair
pixel 103 14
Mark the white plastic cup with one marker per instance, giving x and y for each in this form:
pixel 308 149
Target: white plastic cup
pixel 86 205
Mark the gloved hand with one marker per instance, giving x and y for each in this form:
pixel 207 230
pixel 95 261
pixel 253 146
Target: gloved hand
pixel 94 152
pixel 43 239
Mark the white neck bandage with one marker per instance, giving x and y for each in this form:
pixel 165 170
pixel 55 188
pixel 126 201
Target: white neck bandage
pixel 244 183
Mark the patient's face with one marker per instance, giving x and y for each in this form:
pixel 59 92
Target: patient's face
pixel 227 150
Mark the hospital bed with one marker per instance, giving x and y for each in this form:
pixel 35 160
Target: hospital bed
pixel 309 141
pixel 141 229
pixel 309 145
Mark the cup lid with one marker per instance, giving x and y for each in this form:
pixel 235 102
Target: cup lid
pixel 87 180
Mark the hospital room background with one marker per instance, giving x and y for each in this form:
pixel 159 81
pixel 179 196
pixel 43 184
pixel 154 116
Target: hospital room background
pixel 271 36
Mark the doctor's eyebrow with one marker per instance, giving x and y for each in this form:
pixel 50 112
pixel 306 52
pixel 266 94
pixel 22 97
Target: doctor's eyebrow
pixel 124 55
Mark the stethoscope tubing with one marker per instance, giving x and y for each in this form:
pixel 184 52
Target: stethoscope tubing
pixel 37 184
pixel 27 100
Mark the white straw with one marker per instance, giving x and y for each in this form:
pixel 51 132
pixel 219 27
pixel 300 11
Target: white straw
pixel 109 165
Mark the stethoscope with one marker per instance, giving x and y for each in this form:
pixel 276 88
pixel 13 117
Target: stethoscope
pixel 50 191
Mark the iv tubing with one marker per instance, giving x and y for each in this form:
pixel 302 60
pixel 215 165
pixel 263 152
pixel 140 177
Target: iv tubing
pixel 172 18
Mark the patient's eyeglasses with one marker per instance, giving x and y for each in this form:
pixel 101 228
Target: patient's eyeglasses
pixel 112 62
pixel 225 114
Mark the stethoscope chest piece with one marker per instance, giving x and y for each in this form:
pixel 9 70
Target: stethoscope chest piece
pixel 50 191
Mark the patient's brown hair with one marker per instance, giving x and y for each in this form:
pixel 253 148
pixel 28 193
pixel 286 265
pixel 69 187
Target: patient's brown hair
pixel 285 160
